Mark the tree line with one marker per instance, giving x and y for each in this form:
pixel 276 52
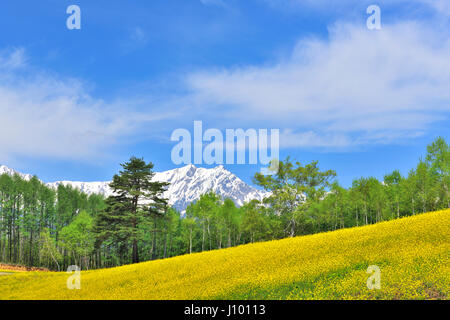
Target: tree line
pixel 50 228
pixel 35 221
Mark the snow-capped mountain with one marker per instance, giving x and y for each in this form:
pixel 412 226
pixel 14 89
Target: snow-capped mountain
pixel 11 172
pixel 101 187
pixel 187 184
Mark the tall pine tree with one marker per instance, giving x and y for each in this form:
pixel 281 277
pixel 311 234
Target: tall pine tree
pixel 135 202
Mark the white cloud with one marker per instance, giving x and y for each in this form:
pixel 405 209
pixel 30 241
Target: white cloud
pixel 138 35
pixel 12 58
pixel 359 86
pixel 43 115
pixel 440 6
pixel 136 38
pixel 356 87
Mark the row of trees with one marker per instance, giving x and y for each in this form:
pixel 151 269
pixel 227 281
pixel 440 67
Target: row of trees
pixel 308 200
pixel 35 221
pixel 40 226
pixel 304 200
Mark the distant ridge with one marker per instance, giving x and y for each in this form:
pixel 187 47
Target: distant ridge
pixel 187 184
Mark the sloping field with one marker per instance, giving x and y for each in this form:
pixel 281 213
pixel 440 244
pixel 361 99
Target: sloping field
pixel 412 253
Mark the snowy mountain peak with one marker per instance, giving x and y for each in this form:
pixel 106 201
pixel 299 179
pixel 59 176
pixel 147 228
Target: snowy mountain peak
pixel 186 184
pixel 11 172
pixel 188 170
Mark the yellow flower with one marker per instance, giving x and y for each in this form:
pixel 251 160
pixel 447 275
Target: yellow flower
pixel 412 254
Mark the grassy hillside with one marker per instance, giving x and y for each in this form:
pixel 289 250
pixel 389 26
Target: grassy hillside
pixel 413 255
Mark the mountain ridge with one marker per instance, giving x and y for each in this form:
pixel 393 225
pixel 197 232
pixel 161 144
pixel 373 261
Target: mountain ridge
pixel 187 184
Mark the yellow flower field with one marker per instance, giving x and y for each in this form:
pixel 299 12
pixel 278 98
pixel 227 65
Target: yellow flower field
pixel 412 254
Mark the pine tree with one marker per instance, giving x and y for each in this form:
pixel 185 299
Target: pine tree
pixel 135 202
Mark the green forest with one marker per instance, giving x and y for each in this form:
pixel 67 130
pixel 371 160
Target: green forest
pixel 43 227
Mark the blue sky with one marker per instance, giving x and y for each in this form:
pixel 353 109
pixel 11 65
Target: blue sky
pixel 76 103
